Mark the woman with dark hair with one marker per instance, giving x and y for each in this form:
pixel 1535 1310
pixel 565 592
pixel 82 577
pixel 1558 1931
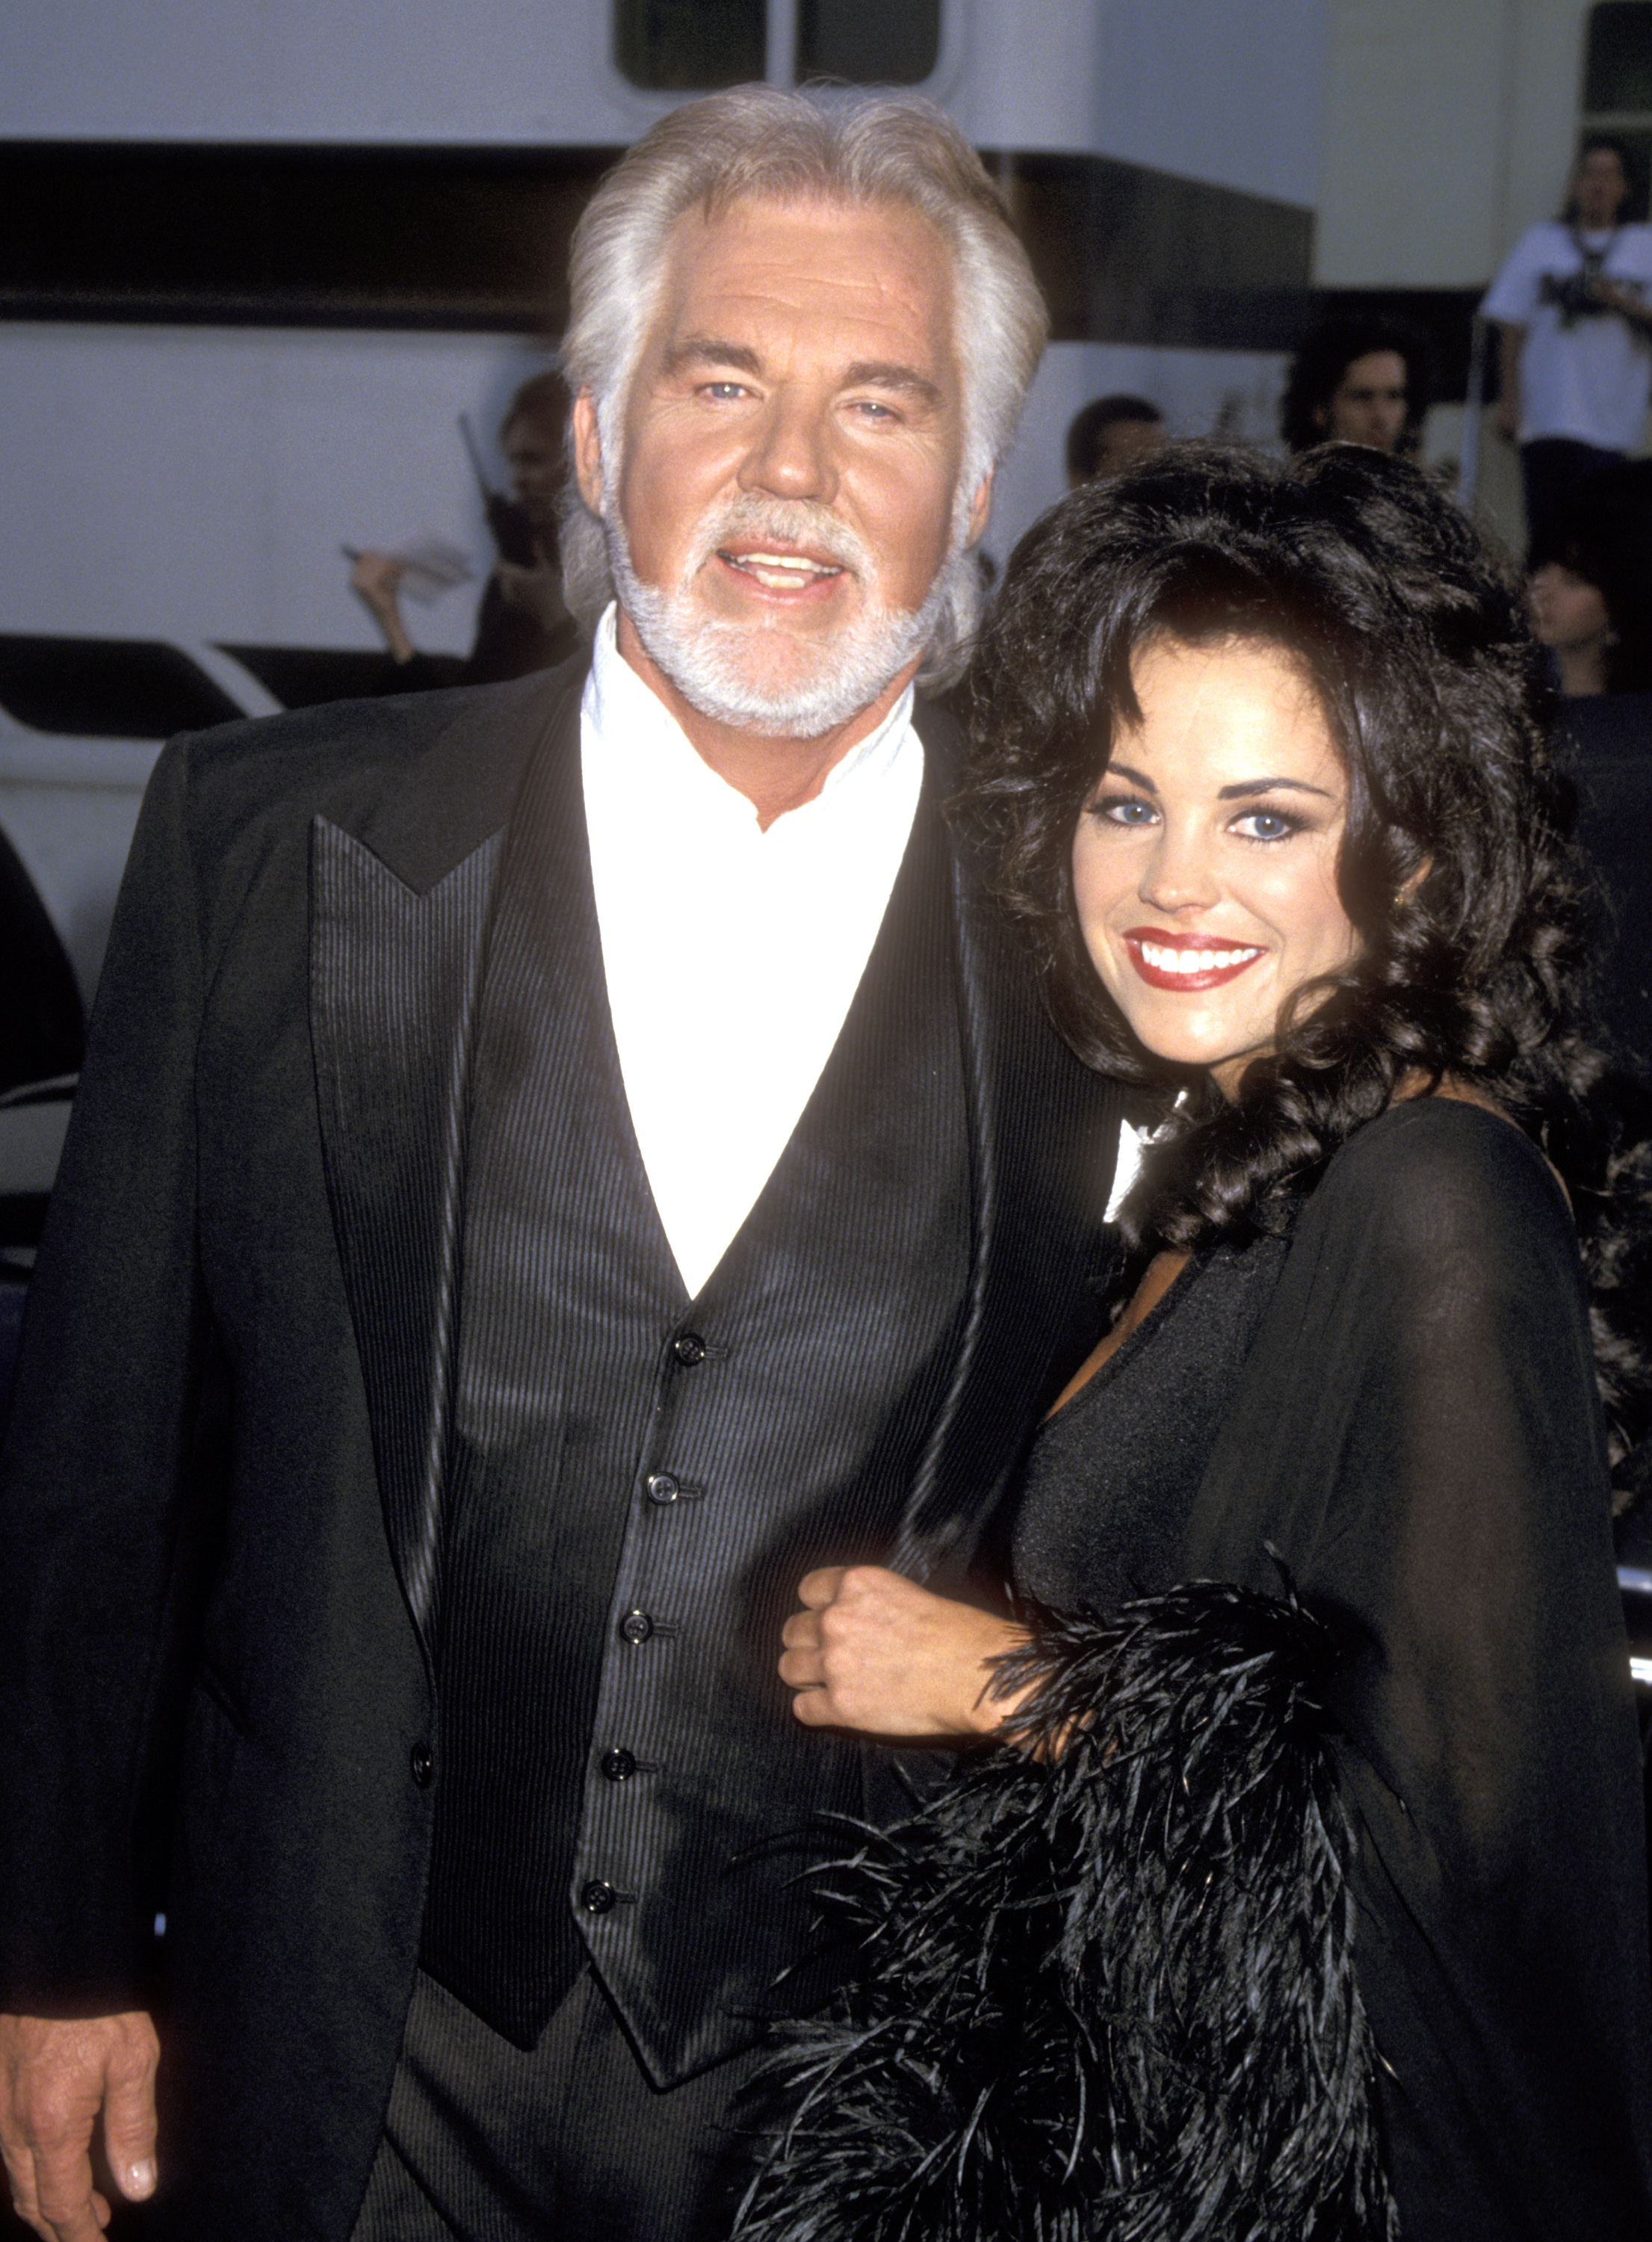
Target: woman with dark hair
pixel 1309 1898
pixel 1589 584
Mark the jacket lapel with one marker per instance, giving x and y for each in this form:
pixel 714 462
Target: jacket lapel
pixel 394 977
pixel 399 934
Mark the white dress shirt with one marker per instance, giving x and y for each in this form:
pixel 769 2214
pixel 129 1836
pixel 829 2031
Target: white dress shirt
pixel 730 955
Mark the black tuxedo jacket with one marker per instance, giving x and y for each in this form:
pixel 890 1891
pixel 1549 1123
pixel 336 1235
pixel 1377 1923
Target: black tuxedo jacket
pixel 222 1482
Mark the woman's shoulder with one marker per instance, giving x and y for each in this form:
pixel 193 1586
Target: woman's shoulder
pixel 1443 1176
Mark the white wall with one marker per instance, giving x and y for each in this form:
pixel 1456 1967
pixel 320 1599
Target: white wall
pixel 311 69
pixel 1199 87
pixel 1448 129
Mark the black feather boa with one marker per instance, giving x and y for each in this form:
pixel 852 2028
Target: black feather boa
pixel 1106 1990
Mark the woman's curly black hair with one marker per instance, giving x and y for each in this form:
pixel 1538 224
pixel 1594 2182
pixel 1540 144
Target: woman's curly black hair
pixel 1475 913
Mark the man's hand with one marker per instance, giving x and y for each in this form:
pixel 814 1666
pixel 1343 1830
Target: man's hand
pixel 873 1651
pixel 55 2077
pixel 1628 301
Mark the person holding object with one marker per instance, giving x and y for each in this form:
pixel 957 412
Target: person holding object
pixel 1307 1890
pixel 523 623
pixel 555 1162
pixel 1573 306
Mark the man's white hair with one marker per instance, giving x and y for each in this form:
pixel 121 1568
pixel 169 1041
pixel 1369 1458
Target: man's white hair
pixel 756 142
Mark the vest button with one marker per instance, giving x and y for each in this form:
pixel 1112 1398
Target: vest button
pixel 597 1897
pixel 422 1764
pixel 689 1348
pixel 618 1766
pixel 636 1627
pixel 662 1487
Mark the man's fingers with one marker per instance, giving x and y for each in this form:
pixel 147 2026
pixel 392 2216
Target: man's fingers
pixel 55 2080
pixel 71 2208
pixel 129 2113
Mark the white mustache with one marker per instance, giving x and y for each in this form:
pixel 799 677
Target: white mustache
pixel 791 523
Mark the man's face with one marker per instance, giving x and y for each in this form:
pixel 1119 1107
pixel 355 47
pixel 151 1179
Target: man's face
pixel 1598 187
pixel 1369 404
pixel 1122 443
pixel 792 444
pixel 535 459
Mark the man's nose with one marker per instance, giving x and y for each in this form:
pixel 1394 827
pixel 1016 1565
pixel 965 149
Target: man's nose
pixel 1180 874
pixel 790 455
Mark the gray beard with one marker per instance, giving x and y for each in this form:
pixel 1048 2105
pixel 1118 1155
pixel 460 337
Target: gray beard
pixel 717 667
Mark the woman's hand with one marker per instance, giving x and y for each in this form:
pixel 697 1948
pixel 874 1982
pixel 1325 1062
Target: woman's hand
pixel 375 578
pixel 873 1651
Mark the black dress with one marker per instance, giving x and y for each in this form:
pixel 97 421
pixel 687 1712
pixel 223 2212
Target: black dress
pixel 1400 1402
pixel 1307 1905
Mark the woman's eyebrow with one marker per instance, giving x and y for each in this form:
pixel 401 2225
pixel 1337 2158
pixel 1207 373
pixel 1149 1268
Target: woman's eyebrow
pixel 1135 777
pixel 1249 786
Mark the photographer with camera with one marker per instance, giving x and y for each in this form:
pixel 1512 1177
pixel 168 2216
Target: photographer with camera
pixel 523 623
pixel 1574 306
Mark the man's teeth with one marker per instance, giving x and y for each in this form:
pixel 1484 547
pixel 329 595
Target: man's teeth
pixel 1193 961
pixel 779 571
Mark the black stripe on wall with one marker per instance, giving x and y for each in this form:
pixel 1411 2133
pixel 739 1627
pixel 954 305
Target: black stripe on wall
pixel 467 237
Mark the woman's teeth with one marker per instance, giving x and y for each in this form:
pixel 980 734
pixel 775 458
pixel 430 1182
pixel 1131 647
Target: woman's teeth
pixel 1194 961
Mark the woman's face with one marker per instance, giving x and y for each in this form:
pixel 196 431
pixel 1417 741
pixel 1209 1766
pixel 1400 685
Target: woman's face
pixel 1204 866
pixel 1567 610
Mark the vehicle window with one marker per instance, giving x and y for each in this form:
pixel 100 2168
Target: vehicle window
pixel 109 689
pixel 868 46
pixel 690 46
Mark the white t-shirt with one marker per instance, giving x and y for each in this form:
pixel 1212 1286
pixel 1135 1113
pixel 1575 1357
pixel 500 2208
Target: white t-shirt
pixel 1588 380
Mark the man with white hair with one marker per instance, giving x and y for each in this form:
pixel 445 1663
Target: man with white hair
pixel 555 1163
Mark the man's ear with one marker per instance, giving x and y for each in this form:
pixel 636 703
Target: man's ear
pixel 979 507
pixel 587 450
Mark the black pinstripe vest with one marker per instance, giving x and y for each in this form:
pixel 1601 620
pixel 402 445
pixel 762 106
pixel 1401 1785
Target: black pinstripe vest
pixel 639 1481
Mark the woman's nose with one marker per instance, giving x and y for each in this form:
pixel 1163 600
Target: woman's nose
pixel 1180 874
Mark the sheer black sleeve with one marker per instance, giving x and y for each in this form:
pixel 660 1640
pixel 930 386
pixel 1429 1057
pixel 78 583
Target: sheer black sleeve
pixel 1416 1433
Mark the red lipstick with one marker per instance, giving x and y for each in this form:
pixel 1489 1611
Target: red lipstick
pixel 1227 959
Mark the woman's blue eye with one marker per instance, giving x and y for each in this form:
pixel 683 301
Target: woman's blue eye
pixel 1125 809
pixel 1269 824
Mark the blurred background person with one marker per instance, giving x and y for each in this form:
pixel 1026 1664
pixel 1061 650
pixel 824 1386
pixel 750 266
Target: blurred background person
pixel 1110 432
pixel 1590 584
pixel 1574 329
pixel 1357 381
pixel 523 623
